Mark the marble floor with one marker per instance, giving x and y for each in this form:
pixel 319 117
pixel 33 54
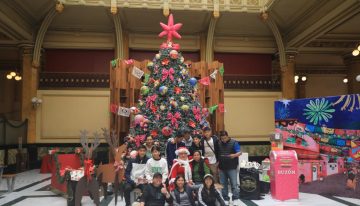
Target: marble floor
pixel 33 188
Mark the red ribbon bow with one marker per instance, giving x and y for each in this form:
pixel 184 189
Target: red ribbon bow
pixel 88 169
pixel 129 61
pixel 119 165
pixel 168 73
pixel 150 100
pixel 63 171
pixel 139 139
pixel 196 111
pixel 173 46
pixel 174 118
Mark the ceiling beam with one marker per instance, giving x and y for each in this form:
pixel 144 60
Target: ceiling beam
pixel 17 31
pixel 338 15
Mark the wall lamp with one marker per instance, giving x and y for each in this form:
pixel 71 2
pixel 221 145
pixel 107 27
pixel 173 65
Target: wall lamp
pixel 36 102
pixel 299 77
pixel 356 51
pixel 14 75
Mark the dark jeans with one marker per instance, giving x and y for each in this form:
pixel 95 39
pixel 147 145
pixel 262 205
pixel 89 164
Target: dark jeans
pixel 128 188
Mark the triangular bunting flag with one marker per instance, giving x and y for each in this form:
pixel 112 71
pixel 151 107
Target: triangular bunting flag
pixel 213 108
pixel 138 73
pixel 222 70
pixel 213 75
pixel 221 108
pixel 205 81
pixel 114 63
pixel 113 108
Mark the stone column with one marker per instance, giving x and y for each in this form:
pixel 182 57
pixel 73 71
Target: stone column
pixel 353 68
pixel 29 90
pixel 288 87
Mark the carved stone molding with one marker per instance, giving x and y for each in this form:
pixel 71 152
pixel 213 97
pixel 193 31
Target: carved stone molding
pixel 144 41
pixel 263 45
pixel 251 6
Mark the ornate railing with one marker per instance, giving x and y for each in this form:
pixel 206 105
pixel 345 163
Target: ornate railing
pixel 49 80
pixel 269 82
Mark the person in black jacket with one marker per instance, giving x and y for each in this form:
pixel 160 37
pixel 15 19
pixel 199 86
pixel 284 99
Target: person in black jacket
pixel 135 173
pixel 155 194
pixel 182 195
pixel 208 194
pixel 210 149
pixel 196 144
pixel 229 152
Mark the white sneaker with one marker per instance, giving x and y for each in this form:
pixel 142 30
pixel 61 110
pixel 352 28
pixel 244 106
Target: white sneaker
pixel 236 202
pixel 226 202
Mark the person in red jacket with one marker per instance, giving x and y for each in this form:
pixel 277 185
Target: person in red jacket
pixel 181 166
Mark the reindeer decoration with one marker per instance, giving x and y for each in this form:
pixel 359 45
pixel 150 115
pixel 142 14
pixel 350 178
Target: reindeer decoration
pixel 87 182
pixel 113 172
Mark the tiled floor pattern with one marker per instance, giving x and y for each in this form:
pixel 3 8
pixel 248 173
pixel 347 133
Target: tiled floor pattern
pixel 32 188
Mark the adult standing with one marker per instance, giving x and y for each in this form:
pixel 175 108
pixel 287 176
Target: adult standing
pixel 210 150
pixel 188 140
pixel 229 151
pixel 172 146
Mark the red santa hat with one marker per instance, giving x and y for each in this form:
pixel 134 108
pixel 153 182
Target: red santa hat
pixel 182 150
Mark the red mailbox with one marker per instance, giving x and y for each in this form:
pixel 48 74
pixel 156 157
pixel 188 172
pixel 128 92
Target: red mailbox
pixel 284 179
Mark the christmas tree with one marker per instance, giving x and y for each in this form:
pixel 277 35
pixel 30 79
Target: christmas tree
pixel 168 99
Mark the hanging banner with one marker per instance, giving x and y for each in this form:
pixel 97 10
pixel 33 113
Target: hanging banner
pixel 138 73
pixel 123 111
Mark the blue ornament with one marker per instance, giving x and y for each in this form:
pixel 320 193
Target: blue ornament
pixel 163 90
pixel 193 81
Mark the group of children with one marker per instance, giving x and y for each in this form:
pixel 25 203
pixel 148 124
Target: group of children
pixel 188 175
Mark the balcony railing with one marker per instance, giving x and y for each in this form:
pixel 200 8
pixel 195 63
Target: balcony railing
pixel 270 82
pixel 50 80
pixel 53 80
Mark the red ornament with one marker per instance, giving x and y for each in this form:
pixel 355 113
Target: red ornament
pixel 154 133
pixel 192 124
pixel 153 108
pixel 174 54
pixel 166 131
pixel 165 61
pixel 177 90
pixel 205 110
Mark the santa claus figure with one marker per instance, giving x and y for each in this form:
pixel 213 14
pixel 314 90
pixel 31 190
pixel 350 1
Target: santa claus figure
pixel 181 166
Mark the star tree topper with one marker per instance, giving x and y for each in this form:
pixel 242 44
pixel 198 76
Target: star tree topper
pixel 170 29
